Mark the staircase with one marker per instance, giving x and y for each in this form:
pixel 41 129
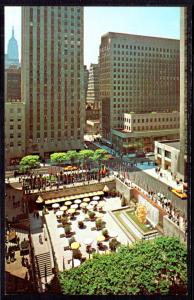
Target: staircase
pixel 43 265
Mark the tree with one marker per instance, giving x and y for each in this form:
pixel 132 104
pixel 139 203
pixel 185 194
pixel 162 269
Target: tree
pixel 29 162
pixel 86 156
pixel 154 267
pixel 59 157
pixel 72 155
pixel 100 155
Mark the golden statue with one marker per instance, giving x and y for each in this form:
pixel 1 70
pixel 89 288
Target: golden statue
pixel 141 213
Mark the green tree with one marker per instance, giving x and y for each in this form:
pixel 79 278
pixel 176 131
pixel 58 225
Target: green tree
pixel 29 162
pixel 99 156
pixel 72 155
pixel 155 267
pixel 86 156
pixel 59 157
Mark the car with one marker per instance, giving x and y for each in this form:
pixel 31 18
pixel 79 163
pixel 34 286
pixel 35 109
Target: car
pixel 179 194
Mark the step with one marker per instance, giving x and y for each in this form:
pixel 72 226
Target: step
pixel 42 260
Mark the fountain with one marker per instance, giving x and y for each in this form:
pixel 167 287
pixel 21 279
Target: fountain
pixel 141 213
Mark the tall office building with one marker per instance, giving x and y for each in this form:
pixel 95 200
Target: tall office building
pixel 12 56
pixel 86 76
pixel 53 78
pixel 93 85
pixel 183 92
pixel 138 74
pixel 13 84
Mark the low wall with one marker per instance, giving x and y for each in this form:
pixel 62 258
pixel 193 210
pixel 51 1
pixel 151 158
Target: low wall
pixel 123 189
pixel 136 192
pixel 171 229
pixel 70 191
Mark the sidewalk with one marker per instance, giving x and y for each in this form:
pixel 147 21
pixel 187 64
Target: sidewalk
pixel 166 178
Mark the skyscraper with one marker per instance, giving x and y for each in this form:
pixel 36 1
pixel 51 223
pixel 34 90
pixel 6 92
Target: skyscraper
pixel 183 92
pixel 93 85
pixel 53 78
pixel 12 56
pixel 138 74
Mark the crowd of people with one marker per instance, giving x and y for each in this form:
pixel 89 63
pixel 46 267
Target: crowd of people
pixel 41 182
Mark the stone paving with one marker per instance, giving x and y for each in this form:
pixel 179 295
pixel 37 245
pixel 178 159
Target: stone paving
pixel 64 257
pixel 166 178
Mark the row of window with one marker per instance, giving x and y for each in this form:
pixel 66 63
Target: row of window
pixel 150 127
pixel 166 119
pixel 146 48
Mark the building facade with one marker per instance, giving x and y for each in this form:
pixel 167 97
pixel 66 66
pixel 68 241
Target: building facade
pixel 86 76
pixel 167 155
pixel 139 131
pixel 14 132
pixel 184 38
pixel 12 84
pixel 12 56
pixel 93 84
pixel 138 74
pixel 53 78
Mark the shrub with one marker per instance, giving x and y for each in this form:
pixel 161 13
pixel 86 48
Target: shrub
pixel 80 224
pixel 105 232
pixel 91 214
pixel 151 267
pixel 67 229
pixel 113 244
pixel 99 224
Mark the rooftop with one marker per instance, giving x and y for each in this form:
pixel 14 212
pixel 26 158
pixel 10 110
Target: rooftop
pixel 119 34
pixel 173 144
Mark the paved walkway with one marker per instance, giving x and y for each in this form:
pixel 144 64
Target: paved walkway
pixel 166 178
pixel 82 234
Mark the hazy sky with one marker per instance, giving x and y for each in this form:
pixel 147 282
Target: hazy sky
pixel 151 21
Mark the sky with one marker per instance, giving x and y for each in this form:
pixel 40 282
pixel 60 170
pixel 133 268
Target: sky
pixel 150 21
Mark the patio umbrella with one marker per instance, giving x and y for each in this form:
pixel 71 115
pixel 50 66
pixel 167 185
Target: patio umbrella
pixel 96 198
pixel 55 205
pixel 86 200
pixel 71 211
pixel 89 207
pixel 68 203
pixel 63 208
pixel 75 245
pixel 100 238
pixel 84 204
pixel 99 193
pixel 74 206
pixel 99 215
pixel 101 204
pixel 93 202
pixel 77 201
pixel 59 213
pixel 88 241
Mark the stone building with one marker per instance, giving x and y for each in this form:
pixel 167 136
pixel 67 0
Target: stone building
pixel 139 131
pixel 14 132
pixel 53 78
pixel 138 74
